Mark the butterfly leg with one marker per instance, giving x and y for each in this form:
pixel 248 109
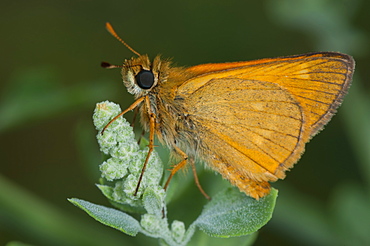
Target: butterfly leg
pixel 182 164
pixel 178 166
pixel 136 112
pixel 132 106
pixel 152 118
pixel 197 180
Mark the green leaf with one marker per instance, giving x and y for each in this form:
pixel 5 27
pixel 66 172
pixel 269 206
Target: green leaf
pixel 153 200
pixel 232 213
pixel 110 217
pixel 108 193
pixel 201 238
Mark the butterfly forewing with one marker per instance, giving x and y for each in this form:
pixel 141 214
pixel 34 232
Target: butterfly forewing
pixel 253 118
pixel 318 81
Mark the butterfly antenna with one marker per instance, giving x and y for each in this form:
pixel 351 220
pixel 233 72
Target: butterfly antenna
pixel 114 34
pixel 109 66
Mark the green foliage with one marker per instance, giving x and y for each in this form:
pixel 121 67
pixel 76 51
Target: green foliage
pixel 229 214
pixel 232 213
pixel 110 217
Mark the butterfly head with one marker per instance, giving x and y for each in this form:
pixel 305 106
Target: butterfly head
pixel 140 75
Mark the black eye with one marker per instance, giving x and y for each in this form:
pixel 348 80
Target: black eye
pixel 145 79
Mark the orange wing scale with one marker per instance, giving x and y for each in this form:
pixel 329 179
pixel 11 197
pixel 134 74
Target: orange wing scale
pixel 255 117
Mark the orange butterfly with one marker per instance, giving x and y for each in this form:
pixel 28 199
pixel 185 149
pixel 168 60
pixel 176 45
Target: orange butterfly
pixel 249 121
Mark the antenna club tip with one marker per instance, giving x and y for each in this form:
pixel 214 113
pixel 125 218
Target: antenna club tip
pixel 114 34
pixel 105 64
pixel 108 26
pixel 108 65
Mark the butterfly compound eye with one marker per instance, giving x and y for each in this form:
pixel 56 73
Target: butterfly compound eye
pixel 145 79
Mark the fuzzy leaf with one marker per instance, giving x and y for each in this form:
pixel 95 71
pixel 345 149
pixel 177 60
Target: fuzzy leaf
pixel 203 239
pixel 109 216
pixel 108 193
pixel 153 200
pixel 232 213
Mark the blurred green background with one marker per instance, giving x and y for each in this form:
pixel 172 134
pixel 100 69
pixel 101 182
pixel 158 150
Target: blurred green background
pixel 51 80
